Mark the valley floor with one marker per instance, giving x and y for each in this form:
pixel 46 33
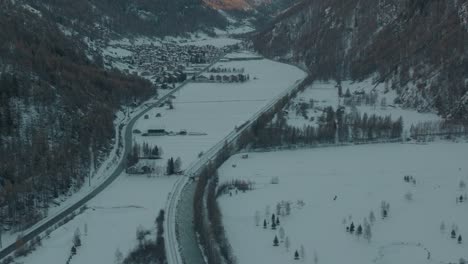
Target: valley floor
pixel 211 110
pixel 330 188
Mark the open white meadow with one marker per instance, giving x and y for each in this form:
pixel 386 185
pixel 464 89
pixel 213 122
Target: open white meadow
pixel 337 186
pixel 324 94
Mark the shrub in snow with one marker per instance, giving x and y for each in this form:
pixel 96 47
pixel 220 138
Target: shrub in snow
pixel 302 252
pixel 257 218
pixel 287 243
pixel 372 217
pixel 385 209
pixel 462 261
pixel 267 211
pixel 288 208
pixel 281 233
pixel 442 227
pixel 408 196
pixel 77 238
pixel 274 180
pixel 367 232
pixel 462 185
pixel 316 259
pixel 118 257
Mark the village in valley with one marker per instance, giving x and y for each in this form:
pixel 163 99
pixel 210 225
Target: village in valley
pixel 165 63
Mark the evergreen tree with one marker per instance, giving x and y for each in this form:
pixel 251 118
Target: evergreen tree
pixel 155 151
pixel 359 230
pixel 453 234
pixel 170 166
pixel 275 241
pixel 459 239
pixel 296 255
pixel 277 221
pixel 264 224
pixel 177 165
pixel 351 227
pixel 273 225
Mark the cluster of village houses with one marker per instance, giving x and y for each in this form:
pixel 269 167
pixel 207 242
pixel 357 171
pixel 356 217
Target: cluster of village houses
pixel 167 64
pixel 223 75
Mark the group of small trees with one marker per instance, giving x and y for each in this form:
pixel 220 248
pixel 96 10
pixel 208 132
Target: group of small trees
pixel 173 167
pixel 364 229
pixel 147 250
pixel 144 150
pixel 240 185
pixel 361 97
pixel 444 128
pixel 453 235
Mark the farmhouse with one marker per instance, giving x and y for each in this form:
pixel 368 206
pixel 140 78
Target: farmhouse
pixel 156 132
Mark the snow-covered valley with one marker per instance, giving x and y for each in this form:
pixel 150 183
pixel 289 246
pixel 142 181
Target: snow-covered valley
pixel 327 189
pixel 213 109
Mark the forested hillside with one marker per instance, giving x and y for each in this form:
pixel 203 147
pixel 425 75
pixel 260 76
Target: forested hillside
pixel 56 107
pixel 417 47
pixel 129 17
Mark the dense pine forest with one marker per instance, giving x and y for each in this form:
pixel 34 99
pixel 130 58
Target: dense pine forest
pixel 57 109
pixel 418 48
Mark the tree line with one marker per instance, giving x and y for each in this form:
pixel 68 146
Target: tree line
pixel 334 127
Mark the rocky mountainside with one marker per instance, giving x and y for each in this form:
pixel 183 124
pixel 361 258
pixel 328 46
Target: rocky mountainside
pixel 417 47
pixel 129 17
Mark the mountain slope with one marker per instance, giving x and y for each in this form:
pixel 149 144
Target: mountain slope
pixel 129 17
pixel 418 47
pixel 57 111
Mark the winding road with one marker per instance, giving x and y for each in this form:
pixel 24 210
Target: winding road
pixel 127 146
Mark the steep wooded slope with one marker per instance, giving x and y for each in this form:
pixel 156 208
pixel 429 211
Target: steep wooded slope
pixel 418 47
pixel 56 108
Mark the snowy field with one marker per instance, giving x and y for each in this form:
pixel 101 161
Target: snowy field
pixel 360 177
pixel 324 94
pixel 212 110
pixel 133 200
pixel 111 222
